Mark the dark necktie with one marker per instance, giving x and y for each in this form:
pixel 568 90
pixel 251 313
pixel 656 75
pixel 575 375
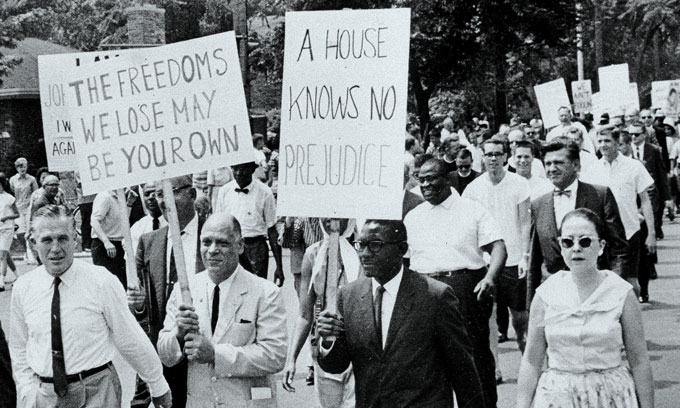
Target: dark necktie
pixel 215 308
pixel 58 363
pixel 562 193
pixel 156 223
pixel 377 310
pixel 241 190
pixel 172 277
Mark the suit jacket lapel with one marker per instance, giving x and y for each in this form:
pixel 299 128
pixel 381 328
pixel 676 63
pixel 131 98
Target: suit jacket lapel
pixel 157 266
pixel 402 307
pixel 231 305
pixel 549 214
pixel 580 196
pixel 367 312
pixel 199 261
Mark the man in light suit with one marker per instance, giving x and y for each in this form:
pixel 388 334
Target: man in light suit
pixel 234 335
pixel 562 165
pixel 401 331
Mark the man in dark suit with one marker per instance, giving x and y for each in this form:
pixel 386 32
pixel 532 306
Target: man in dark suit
pixel 651 157
pixel 401 331
pixel 157 277
pixel 562 166
pixel 463 175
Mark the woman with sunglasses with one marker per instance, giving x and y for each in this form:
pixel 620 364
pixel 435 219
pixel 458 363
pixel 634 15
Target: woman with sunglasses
pixel 582 319
pixel 333 390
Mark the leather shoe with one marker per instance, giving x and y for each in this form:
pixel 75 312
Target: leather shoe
pixel 643 299
pixel 310 376
pixel 502 338
pixel 653 274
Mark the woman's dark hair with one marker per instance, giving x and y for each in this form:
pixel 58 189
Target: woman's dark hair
pixel 588 215
pixel 5 184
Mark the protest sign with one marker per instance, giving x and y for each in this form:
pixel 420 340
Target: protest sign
pixel 631 100
pixel 665 96
pixel 54 104
pixel 582 93
pixel 343 113
pixel 598 106
pixel 157 113
pixel 550 97
pixel 613 78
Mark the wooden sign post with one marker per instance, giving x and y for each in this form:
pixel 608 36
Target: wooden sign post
pixel 175 235
pixel 333 269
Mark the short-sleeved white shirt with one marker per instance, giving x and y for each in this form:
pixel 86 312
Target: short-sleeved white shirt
pixel 539 186
pixel 6 201
pixel 627 178
pixel 502 200
pixel 255 211
pixel 449 236
pixel 675 150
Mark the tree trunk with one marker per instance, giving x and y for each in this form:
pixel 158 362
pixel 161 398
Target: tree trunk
pixel 422 95
pixel 599 56
pixel 501 105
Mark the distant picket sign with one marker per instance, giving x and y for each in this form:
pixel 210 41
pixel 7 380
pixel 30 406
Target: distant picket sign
pixel 155 113
pixel 582 94
pixel 343 113
pixel 54 104
pixel 665 96
pixel 550 97
pixel 612 77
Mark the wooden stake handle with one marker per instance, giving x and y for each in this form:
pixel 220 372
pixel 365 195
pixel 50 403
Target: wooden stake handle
pixel 333 269
pixel 175 234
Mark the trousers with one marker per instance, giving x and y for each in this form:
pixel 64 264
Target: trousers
pixel 96 391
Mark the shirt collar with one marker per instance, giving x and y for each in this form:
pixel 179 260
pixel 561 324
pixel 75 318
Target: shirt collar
pixel 448 203
pixel 68 277
pixel 391 287
pixel 641 146
pixel 616 159
pixel 571 187
pixel 191 226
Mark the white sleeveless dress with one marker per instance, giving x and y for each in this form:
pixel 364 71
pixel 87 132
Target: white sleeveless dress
pixel 585 344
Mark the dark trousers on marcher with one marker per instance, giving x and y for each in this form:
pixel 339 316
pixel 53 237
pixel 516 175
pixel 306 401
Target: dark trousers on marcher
pixel 647 262
pixel 85 227
pixel 257 252
pixel 115 265
pixel 476 315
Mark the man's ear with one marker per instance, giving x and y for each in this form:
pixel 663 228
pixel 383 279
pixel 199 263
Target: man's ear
pixel 403 247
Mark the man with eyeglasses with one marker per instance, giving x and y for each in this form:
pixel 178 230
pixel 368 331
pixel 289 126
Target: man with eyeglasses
pixel 569 193
pixel 402 332
pixel 252 203
pixel 464 174
pixel 448 236
pixel 157 271
pixel 506 196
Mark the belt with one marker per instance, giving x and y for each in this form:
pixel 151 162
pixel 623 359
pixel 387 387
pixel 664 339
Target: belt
pixel 254 239
pixel 452 273
pixel 80 376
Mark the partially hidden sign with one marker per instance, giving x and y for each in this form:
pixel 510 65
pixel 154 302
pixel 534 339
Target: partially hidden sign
pixel 343 113
pixel 582 94
pixel 550 97
pixel 665 95
pixel 55 102
pixel 155 113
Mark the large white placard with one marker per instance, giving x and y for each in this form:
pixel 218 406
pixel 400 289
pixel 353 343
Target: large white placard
pixel 665 96
pixel 550 97
pixel 160 112
pixel 613 78
pixel 54 104
pixel 343 113
pixel 582 94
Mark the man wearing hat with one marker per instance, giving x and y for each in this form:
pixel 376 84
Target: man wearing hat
pixel 251 202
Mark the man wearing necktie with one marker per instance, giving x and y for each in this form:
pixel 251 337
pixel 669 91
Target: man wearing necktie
pixel 651 157
pixel 152 221
pixel 253 205
pixel 234 334
pixel 402 331
pixel 68 318
pixel 562 166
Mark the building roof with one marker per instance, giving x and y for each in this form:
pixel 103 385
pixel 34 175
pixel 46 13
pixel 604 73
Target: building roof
pixel 22 80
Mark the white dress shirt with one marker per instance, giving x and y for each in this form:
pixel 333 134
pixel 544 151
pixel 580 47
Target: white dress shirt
pixel 563 204
pixel 638 151
pixel 626 177
pixel 95 322
pixel 388 300
pixel 255 211
pixel 189 243
pixel 449 236
pixel 141 227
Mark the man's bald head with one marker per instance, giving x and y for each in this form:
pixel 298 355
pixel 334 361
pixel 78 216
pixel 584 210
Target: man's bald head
pixel 221 245
pixel 225 222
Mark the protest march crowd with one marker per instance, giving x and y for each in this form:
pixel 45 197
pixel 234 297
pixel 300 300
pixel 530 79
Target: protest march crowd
pixel 553 230
pixel 488 217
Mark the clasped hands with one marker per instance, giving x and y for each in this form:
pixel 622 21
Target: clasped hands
pixel 197 347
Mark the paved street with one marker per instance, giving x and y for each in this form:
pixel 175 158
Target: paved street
pixel 661 316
